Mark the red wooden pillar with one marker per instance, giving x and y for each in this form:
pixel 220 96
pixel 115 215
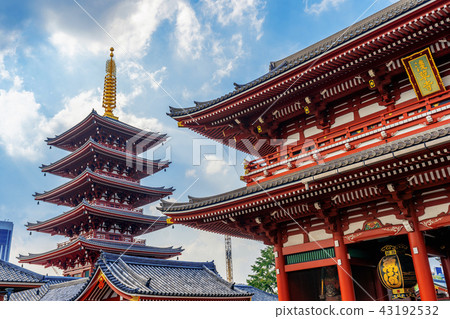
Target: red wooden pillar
pixel 1 297
pixel 343 265
pixel 445 261
pixel 282 281
pixel 421 264
pixel 380 290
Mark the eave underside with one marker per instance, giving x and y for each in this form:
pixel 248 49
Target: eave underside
pixel 86 251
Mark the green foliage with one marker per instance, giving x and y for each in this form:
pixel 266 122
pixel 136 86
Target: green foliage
pixel 264 276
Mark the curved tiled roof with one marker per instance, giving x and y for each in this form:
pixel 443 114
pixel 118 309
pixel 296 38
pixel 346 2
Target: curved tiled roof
pixel 126 156
pixel 109 245
pixel 284 65
pixel 170 207
pixel 13 273
pixel 65 291
pixel 36 294
pixel 114 181
pixel 116 123
pixel 120 212
pixel 155 277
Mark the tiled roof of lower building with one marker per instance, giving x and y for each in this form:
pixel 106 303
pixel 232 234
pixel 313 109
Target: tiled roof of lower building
pixel 55 289
pixel 163 278
pixel 13 273
pixel 64 291
pixel 258 294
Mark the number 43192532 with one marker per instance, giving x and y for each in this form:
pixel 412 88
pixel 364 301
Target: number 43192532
pixel 399 310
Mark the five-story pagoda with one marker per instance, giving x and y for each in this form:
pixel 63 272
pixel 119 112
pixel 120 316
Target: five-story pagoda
pixel 104 193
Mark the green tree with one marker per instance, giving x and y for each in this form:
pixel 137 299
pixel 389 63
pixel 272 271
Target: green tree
pixel 264 276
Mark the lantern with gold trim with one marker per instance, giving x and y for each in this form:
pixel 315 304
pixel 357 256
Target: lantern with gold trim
pixel 396 271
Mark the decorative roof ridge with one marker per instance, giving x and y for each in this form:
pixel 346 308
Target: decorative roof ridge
pixel 62 278
pixel 378 18
pixel 110 257
pixel 140 279
pixel 131 245
pixel 36 276
pixel 342 37
pixel 68 283
pixel 310 172
pixel 240 286
pixel 219 279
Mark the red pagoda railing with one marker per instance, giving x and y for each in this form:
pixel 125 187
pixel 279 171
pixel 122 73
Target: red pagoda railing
pixel 327 146
pixel 116 206
pixel 127 179
pixel 103 237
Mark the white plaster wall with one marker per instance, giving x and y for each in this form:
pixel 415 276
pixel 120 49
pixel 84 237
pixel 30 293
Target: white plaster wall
pixel 374 140
pixel 370 109
pixel 389 219
pixel 406 96
pixel 334 153
pixel 312 131
pixel 446 80
pixel 354 227
pixel 409 129
pixel 433 211
pixel 294 240
pixel 344 119
pixel 319 235
pixel 292 139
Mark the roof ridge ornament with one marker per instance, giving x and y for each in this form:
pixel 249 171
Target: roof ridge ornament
pixel 109 90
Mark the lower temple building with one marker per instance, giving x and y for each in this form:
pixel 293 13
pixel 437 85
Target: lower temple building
pixel 121 277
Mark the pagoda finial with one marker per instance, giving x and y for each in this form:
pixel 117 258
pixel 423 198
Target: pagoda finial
pixel 109 91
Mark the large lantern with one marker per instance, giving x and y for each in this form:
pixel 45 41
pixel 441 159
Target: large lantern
pixel 396 271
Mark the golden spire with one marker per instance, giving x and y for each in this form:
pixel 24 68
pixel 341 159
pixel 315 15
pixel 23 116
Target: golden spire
pixel 109 91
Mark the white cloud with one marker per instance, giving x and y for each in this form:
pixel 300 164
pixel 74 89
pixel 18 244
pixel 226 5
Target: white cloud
pixel 188 32
pixel 224 59
pixel 323 5
pixel 215 165
pixel 129 26
pixel 133 24
pixel 242 12
pixel 22 124
pixel 140 77
pixel 8 47
pixel 191 173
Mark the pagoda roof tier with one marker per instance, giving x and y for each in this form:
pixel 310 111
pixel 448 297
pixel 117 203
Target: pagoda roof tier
pixel 77 247
pixel 71 139
pixel 310 76
pixel 76 160
pixel 63 194
pixel 219 213
pixel 83 213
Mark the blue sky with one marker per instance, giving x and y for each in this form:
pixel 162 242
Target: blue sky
pixel 168 52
